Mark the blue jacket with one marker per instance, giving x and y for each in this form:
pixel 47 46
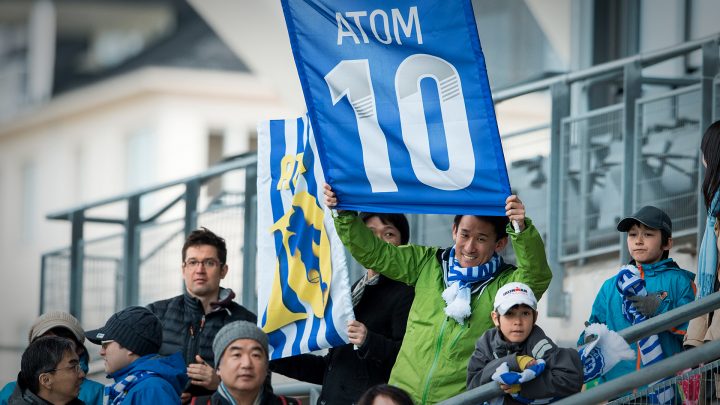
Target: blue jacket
pixel 165 388
pixel 91 392
pixel 665 276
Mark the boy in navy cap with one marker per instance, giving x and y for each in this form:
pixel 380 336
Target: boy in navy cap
pixel 130 342
pixel 651 284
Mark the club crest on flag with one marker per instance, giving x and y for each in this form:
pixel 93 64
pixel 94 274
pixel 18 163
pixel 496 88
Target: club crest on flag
pixel 303 287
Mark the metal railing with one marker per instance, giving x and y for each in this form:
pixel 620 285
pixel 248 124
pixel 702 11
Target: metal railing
pixel 580 154
pixel 641 377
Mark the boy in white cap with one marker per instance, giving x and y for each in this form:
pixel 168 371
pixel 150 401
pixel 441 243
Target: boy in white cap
pixel 529 367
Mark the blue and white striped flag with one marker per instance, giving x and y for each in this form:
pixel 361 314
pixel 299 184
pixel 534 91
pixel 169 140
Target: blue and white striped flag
pixel 303 286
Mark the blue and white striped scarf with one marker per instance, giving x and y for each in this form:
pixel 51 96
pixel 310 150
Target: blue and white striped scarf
pixel 629 284
pixel 461 280
pixel 114 394
pixel 503 375
pixel 707 256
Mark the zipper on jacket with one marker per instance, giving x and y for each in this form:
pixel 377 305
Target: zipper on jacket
pixel 194 341
pixel 438 346
pixel 457 337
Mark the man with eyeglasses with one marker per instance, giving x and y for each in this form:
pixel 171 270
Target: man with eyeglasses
pixel 191 320
pixel 62 324
pixel 49 373
pixel 130 340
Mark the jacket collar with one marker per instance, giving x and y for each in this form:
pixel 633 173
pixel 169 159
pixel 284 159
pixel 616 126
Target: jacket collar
pixel 225 299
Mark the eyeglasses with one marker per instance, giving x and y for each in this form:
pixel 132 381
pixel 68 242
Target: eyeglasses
pixel 105 343
pixel 74 367
pixel 207 263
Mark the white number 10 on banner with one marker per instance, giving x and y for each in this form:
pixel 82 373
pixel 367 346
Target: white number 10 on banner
pixel 351 78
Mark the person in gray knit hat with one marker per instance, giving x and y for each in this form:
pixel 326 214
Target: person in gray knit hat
pixel 130 342
pixel 241 361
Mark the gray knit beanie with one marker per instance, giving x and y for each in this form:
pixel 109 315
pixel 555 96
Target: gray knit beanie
pixel 56 319
pixel 234 331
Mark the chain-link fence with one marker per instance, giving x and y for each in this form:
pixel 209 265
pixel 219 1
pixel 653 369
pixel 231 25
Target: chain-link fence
pixel 591 161
pixel 696 386
pixel 668 157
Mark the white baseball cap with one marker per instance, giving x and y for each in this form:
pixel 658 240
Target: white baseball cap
pixel 512 294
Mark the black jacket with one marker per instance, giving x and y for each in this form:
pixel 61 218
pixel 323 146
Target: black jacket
pixel 23 396
pixel 346 373
pixel 187 329
pixel 268 398
pixel 563 375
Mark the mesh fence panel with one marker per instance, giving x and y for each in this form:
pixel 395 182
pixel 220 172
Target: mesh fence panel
pixel 692 387
pixel 161 261
pixel 228 221
pixel 102 261
pixel 56 281
pixel 590 179
pixel 668 142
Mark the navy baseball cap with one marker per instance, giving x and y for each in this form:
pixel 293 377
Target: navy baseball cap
pixel 650 216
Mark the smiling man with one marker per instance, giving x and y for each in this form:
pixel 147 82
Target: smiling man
pixel 191 320
pixel 454 290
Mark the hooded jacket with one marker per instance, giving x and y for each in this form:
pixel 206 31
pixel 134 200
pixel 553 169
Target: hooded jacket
pixel 164 387
pixel 664 276
pixel 187 329
pixel 91 392
pixel 432 363
pixel 563 374
pixel 23 396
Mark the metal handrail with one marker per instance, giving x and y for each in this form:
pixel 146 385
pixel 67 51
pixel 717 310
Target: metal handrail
pixel 645 59
pixel 645 375
pixel 239 163
pixel 631 334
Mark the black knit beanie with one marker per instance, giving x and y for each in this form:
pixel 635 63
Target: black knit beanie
pixel 134 328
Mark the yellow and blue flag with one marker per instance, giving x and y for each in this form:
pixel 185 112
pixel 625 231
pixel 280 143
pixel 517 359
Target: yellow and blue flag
pixel 303 283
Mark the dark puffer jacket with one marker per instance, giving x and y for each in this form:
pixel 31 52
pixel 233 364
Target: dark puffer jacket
pixel 346 373
pixel 187 329
pixel 23 396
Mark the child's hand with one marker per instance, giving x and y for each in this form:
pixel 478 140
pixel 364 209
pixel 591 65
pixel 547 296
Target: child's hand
pixel 525 361
pixel 510 389
pixel 648 304
pixel 515 211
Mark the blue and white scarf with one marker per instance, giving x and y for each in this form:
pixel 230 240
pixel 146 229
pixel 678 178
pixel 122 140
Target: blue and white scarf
pixel 707 256
pixel 630 284
pixel 503 375
pixel 114 394
pixel 460 281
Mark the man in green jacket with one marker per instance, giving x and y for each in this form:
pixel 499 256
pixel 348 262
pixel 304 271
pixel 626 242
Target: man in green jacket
pixel 454 290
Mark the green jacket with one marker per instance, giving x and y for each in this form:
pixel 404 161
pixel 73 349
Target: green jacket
pixel 433 358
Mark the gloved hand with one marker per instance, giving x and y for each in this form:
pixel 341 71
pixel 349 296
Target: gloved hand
pixel 524 361
pixel 648 304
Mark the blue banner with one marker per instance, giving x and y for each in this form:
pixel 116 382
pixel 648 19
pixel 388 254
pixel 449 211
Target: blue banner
pixel 398 97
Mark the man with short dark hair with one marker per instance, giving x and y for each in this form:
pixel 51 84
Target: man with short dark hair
pixel 191 320
pixel 62 324
pixel 49 373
